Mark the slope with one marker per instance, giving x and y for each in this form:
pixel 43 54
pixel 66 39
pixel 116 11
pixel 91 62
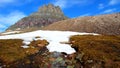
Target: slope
pixel 103 24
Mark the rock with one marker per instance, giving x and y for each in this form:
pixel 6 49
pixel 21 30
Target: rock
pixel 70 66
pixel 46 15
pixel 80 56
pixel 56 54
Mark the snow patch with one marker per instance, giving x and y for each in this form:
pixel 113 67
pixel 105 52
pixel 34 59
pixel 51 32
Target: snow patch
pixel 12 32
pixel 25 46
pixel 53 37
pixel 60 48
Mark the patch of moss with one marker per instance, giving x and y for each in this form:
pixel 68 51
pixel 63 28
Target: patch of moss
pixel 10 50
pixel 98 48
pixel 36 43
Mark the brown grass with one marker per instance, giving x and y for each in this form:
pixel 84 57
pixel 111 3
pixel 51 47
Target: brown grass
pixel 11 50
pixel 39 42
pixel 98 48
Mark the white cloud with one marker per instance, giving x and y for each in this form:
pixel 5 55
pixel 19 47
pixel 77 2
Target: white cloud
pixel 6 1
pixel 13 2
pixel 69 3
pixel 101 6
pixel 114 2
pixel 10 19
pixel 2 26
pixel 61 3
pixel 109 10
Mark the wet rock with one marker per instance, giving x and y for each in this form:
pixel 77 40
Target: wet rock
pixel 56 54
pixel 89 61
pixel 80 56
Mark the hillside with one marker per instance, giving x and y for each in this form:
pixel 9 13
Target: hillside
pixel 103 24
pixel 47 14
pixel 56 49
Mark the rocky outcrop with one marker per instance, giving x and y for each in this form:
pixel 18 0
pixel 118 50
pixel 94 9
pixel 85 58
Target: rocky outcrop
pixel 103 24
pixel 46 15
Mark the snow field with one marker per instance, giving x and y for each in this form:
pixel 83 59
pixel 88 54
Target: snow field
pixel 53 37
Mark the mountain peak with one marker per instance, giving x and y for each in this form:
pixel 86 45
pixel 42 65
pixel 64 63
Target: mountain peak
pixel 47 14
pixel 49 10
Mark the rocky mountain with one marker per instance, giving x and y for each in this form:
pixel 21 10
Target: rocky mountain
pixel 103 24
pixel 46 15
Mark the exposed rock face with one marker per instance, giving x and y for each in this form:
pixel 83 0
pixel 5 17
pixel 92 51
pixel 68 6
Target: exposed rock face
pixel 103 24
pixel 46 15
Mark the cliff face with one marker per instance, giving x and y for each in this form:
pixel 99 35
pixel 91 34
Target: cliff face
pixel 103 24
pixel 46 15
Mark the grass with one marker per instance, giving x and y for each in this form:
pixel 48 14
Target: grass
pixel 99 48
pixel 39 42
pixel 11 50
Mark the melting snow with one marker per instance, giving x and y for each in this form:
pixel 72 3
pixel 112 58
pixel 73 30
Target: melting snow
pixel 53 37
pixel 25 46
pixel 12 32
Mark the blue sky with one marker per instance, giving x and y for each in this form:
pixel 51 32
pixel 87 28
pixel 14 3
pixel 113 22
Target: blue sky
pixel 13 10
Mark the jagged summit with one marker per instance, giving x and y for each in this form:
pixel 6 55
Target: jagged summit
pixel 49 10
pixel 45 15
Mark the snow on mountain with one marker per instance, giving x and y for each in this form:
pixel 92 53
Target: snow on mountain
pixel 11 32
pixel 53 37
